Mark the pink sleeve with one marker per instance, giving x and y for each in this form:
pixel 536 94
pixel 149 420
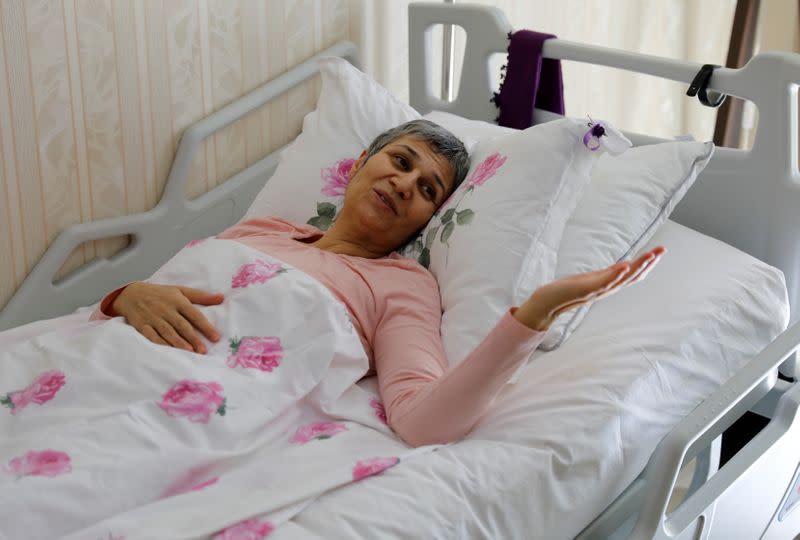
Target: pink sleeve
pixel 427 402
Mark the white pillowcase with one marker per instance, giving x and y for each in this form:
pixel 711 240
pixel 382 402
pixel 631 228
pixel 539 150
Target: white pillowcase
pixel 310 179
pixel 501 243
pixel 629 197
pixel 495 240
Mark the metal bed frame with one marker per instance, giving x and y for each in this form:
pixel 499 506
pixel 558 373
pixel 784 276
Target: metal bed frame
pixel 755 194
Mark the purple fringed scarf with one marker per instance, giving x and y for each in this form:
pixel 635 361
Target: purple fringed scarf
pixel 530 81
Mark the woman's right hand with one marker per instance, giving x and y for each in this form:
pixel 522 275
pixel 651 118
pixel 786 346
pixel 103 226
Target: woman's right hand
pixel 165 314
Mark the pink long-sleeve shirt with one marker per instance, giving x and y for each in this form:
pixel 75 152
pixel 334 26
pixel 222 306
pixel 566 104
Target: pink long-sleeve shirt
pixel 396 309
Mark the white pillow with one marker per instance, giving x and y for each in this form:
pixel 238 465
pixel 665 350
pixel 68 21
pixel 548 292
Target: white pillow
pixel 308 184
pixel 524 208
pixel 495 240
pixel 630 197
pixel 469 131
pixel 627 199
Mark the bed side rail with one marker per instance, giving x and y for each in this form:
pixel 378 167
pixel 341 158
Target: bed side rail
pixel 702 426
pixel 158 233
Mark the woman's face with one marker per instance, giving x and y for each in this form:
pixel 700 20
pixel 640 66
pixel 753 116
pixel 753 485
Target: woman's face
pixel 392 195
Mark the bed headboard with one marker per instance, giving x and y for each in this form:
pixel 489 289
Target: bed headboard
pixel 749 199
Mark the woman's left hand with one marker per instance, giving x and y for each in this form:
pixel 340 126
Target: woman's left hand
pixel 551 300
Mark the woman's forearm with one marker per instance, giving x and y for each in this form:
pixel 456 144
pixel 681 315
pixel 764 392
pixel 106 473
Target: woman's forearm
pixel 425 409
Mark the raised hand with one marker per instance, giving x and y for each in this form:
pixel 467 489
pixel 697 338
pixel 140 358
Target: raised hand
pixel 166 315
pixel 553 299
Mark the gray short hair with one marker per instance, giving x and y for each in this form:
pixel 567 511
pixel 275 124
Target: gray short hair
pixel 442 141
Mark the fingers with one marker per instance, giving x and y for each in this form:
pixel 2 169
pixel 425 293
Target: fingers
pixel 646 263
pixel 173 331
pixel 645 271
pixel 638 271
pixel 593 286
pixel 171 336
pixel 165 315
pixel 203 298
pixel 637 268
pixel 187 332
pixel 617 273
pixel 198 320
pixel 150 333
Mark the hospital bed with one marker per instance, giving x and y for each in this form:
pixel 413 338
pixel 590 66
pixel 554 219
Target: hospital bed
pixel 742 208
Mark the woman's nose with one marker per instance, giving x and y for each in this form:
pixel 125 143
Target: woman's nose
pixel 404 184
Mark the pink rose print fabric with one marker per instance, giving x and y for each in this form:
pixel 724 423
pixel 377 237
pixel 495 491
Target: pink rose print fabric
pixel 256 272
pixel 40 391
pixel 250 529
pixel 194 400
pixel 262 353
pixel 45 463
pixel 317 430
pixel 487 168
pixel 334 184
pixel 372 466
pixel 451 217
pixel 336 178
pixel 379 409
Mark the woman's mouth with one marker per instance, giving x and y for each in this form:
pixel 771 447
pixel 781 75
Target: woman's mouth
pixel 385 201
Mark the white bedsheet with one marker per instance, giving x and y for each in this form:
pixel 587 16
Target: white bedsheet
pixel 581 422
pixel 579 425
pixel 107 435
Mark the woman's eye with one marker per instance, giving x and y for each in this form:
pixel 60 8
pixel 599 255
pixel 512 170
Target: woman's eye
pixel 429 191
pixel 403 162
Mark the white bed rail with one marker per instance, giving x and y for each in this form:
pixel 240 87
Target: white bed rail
pixel 160 232
pixel 706 423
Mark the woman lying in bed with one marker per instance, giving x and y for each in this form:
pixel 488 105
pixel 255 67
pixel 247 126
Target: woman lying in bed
pixel 395 187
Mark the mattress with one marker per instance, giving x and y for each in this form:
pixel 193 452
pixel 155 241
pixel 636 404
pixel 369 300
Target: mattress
pixel 580 422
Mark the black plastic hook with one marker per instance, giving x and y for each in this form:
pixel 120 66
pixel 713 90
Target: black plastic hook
pixel 699 87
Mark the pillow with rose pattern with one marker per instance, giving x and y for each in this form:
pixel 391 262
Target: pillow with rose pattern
pixel 495 240
pixel 492 242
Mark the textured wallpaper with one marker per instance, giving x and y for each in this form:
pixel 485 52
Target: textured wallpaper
pixel 94 95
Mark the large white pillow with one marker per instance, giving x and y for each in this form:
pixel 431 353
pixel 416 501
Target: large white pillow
pixel 628 198
pixel 308 184
pixel 496 239
pixel 631 195
pixel 520 191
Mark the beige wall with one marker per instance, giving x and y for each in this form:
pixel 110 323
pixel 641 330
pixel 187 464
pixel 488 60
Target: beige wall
pixel 94 95
pixel 779 25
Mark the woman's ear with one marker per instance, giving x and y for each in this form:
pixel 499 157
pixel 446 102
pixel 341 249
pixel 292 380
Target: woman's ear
pixel 357 164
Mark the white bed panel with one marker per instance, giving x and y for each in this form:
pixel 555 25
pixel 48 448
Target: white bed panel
pixel 582 421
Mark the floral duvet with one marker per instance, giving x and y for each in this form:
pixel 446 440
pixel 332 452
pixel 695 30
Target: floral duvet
pixel 106 435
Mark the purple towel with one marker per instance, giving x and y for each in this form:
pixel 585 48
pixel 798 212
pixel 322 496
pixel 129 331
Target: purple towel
pixel 530 81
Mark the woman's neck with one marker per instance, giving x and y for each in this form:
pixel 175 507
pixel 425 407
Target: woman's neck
pixel 336 241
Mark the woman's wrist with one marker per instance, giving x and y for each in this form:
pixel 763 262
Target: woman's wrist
pixel 112 307
pixel 532 315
